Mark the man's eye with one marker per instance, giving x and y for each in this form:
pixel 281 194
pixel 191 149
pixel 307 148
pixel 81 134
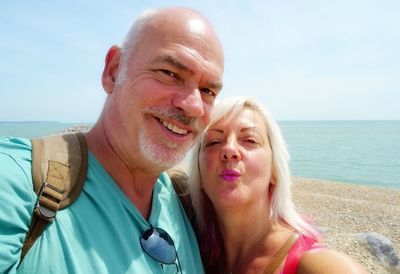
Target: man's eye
pixel 208 91
pixel 169 73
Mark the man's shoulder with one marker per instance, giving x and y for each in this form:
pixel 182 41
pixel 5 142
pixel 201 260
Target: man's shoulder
pixel 15 153
pixel 15 162
pixel 17 198
pixel 14 145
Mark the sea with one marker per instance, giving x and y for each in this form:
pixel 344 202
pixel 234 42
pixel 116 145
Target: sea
pixel 358 152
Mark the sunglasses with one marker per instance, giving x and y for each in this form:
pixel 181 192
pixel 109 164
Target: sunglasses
pixel 157 243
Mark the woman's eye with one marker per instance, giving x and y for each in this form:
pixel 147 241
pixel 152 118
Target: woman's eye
pixel 211 143
pixel 251 141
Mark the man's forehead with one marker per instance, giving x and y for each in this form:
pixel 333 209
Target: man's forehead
pixel 179 25
pixel 197 26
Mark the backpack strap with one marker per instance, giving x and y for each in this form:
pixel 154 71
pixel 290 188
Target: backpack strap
pixel 59 166
pixel 281 253
pixel 180 182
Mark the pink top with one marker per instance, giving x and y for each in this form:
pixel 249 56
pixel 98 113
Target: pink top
pixel 303 244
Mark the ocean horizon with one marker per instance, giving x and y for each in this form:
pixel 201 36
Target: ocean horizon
pixel 358 152
pixel 34 129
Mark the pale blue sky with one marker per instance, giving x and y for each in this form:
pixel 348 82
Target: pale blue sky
pixel 304 59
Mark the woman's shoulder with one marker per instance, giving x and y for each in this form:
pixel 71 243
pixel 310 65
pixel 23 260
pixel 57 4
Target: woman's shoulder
pixel 324 260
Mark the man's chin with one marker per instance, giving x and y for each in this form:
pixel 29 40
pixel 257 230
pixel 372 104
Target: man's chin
pixel 164 157
pixel 162 152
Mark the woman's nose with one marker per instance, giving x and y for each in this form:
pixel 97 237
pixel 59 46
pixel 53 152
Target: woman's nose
pixel 230 152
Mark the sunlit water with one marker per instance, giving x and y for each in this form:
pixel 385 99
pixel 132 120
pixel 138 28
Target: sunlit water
pixel 362 152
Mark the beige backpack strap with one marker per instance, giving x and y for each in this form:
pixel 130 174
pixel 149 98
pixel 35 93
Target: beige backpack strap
pixel 281 254
pixel 180 182
pixel 59 166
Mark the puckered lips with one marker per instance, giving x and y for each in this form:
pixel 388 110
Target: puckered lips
pixel 230 175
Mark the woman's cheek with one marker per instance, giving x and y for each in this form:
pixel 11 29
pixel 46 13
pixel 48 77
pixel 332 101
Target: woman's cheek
pixel 208 168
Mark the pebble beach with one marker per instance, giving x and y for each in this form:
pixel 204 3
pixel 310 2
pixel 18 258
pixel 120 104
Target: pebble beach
pixel 343 212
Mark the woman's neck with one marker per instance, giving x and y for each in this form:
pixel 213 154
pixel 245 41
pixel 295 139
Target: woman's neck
pixel 244 238
pixel 250 245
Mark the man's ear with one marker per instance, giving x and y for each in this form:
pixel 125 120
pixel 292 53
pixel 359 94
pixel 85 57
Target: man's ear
pixel 111 68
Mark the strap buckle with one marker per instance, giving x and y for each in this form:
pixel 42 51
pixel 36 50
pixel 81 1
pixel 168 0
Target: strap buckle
pixel 41 210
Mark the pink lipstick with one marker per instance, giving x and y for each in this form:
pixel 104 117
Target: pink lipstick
pixel 230 175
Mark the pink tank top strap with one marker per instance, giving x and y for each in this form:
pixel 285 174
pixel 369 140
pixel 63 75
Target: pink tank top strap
pixel 303 244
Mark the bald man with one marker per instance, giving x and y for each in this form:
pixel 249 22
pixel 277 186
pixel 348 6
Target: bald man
pixel 161 85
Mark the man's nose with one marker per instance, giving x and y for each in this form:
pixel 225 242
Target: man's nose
pixel 190 102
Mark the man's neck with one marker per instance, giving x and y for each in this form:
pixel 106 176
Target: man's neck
pixel 137 183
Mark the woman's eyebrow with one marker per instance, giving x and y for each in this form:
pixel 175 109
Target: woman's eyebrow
pixel 215 129
pixel 252 128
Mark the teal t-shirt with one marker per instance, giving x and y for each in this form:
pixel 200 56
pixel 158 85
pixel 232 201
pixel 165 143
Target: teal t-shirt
pixel 99 233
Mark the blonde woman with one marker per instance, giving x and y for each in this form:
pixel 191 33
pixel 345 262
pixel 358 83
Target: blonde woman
pixel 239 184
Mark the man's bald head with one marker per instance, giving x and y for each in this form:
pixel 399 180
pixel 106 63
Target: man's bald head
pixel 174 24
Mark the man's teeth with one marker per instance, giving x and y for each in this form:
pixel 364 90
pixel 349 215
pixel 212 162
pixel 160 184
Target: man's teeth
pixel 174 128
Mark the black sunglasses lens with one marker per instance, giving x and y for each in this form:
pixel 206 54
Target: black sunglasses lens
pixel 158 244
